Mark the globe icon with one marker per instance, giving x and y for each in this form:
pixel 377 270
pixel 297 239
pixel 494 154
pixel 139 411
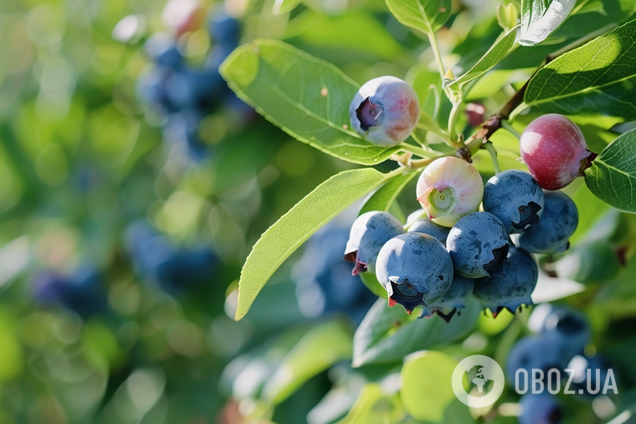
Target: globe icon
pixel 480 378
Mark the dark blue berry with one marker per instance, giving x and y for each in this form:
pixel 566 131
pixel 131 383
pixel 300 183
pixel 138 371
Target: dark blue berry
pixel 540 408
pixel 477 243
pixel 421 224
pixel 368 234
pixel 544 352
pixel 510 284
pixel 515 198
pixel 451 301
pixel 415 269
pixel 225 29
pixel 558 222
pixel 567 323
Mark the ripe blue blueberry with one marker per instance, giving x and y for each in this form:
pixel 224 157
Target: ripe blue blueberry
pixel 451 301
pixel 225 29
pixel 515 198
pixel 540 408
pixel 159 261
pixel 558 222
pixel 477 243
pixel 415 269
pixel 419 223
pixel 511 283
pixel 385 111
pixel 544 352
pixel 324 283
pixel 368 234
pixel 81 291
pixel 567 323
pixel 164 52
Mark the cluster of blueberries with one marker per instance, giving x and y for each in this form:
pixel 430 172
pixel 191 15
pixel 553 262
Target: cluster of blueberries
pixel 561 335
pixel 172 269
pixel 81 291
pixel 156 259
pixel 324 284
pixel 449 249
pixel 184 95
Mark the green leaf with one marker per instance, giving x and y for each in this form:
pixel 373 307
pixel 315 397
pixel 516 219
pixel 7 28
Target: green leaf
pixel 426 385
pixel 320 348
pixel 284 6
pixel 292 229
pixel 388 334
pixel 597 78
pixel 342 33
pixel 425 15
pixel 494 55
pixel 374 406
pixel 539 18
pixel 612 177
pixel 383 198
pixel 307 97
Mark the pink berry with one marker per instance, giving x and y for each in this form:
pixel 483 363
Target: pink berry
pixel 385 111
pixel 555 151
pixel 448 189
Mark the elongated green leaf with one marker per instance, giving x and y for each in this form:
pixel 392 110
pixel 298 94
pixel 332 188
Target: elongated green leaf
pixel 498 51
pixel 292 229
pixel 388 334
pixel 426 385
pixel 383 198
pixel 539 18
pixel 307 97
pixel 320 348
pixel 425 15
pixel 597 78
pixel 612 177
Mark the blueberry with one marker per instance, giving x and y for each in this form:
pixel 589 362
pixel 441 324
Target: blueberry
pixel 182 130
pixel 449 189
pixel 164 52
pixel 80 291
pixel 558 222
pixel 510 284
pixel 540 408
pixel 225 29
pixel 419 224
pixel 567 323
pixel 477 243
pixel 451 301
pixel 515 198
pixel 159 261
pixel 324 283
pixel 368 234
pixel 385 111
pixel 544 352
pixel 415 269
pixel 590 375
pixel 189 88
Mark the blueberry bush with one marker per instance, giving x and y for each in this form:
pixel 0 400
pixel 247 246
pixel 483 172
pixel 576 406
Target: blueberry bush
pixel 288 211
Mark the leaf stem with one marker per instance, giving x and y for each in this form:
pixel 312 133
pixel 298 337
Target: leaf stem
pixel 438 57
pixel 452 120
pixel 509 128
pixel 493 155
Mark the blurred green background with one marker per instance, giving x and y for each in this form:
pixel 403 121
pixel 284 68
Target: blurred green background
pixel 82 157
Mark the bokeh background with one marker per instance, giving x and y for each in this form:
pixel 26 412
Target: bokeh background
pixel 133 184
